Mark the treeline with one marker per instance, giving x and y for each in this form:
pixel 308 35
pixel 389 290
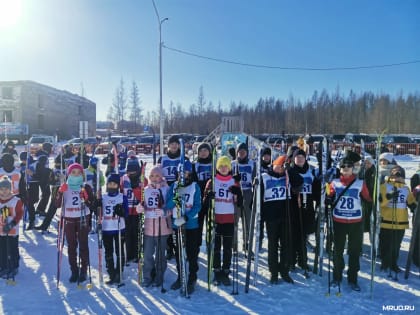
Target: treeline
pixel 324 113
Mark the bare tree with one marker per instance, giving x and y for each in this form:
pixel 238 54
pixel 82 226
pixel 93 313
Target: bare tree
pixel 135 115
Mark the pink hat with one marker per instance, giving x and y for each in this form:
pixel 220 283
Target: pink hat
pixel 74 166
pixel 157 169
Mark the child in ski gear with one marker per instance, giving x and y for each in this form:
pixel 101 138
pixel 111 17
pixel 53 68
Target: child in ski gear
pixel 57 177
pixel 202 172
pixel 157 227
pixel 170 163
pixel 132 184
pixel 43 174
pixel 303 214
pixel 10 148
pixel 343 202
pixel 264 167
pixel 11 213
pixel 67 156
pixel 114 210
pixel 386 163
pixel 190 196
pixel 395 196
pixel 32 182
pixel 122 161
pixel 18 181
pixel 276 192
pixel 227 193
pixel 76 199
pixel 367 173
pixel 246 168
pixel 92 181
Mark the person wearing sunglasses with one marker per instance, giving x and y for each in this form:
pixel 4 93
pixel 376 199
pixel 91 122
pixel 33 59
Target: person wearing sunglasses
pixel 344 204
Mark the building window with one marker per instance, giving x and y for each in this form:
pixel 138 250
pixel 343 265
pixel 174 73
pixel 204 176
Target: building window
pixel 41 122
pixel 80 110
pixel 7 92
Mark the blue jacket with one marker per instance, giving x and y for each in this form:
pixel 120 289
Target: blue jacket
pixel 193 204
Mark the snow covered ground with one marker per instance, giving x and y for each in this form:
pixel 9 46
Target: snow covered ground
pixel 36 289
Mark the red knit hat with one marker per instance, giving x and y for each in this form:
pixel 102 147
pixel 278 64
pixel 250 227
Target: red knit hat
pixel 74 166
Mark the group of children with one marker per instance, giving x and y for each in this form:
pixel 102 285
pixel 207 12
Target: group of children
pixel 290 189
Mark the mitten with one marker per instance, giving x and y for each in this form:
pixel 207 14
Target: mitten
pixel 64 187
pixel 211 194
pixel 393 195
pixel 180 221
pixel 235 190
pixel 118 210
pixel 329 201
pixel 237 177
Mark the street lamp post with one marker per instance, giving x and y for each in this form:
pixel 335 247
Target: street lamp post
pixel 161 118
pixel 160 87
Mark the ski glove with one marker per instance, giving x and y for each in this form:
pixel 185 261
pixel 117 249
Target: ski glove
pixel 118 210
pixel 235 190
pixel 329 201
pixel 211 194
pixel 393 195
pixel 9 226
pixel 64 187
pixel 237 177
pixel 180 221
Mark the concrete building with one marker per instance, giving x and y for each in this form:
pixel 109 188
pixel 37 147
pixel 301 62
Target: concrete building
pixel 46 110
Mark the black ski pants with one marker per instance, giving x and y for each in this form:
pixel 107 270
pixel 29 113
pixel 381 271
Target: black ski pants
pixel 224 236
pixel 353 233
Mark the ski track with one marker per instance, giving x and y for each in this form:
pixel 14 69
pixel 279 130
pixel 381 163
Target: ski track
pixel 36 289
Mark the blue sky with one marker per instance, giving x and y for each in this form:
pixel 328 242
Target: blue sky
pixel 67 43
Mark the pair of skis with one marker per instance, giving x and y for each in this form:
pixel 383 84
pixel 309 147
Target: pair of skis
pixel 180 231
pixel 375 217
pixel 255 220
pixel 211 225
pixel 140 235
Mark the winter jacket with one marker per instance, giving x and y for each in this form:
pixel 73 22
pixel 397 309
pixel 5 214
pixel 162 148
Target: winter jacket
pixel 153 209
pixel 192 197
pixel 394 213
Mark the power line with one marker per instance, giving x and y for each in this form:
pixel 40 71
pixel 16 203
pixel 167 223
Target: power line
pixel 291 68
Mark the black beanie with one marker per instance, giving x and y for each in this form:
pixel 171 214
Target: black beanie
pixel 173 138
pixel 299 152
pixel 7 161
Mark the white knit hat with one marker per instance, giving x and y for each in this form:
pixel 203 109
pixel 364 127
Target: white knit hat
pixel 387 156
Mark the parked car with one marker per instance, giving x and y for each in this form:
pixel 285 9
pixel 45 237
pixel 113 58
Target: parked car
pixel 36 141
pixel 145 144
pixel 89 143
pixel 399 144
